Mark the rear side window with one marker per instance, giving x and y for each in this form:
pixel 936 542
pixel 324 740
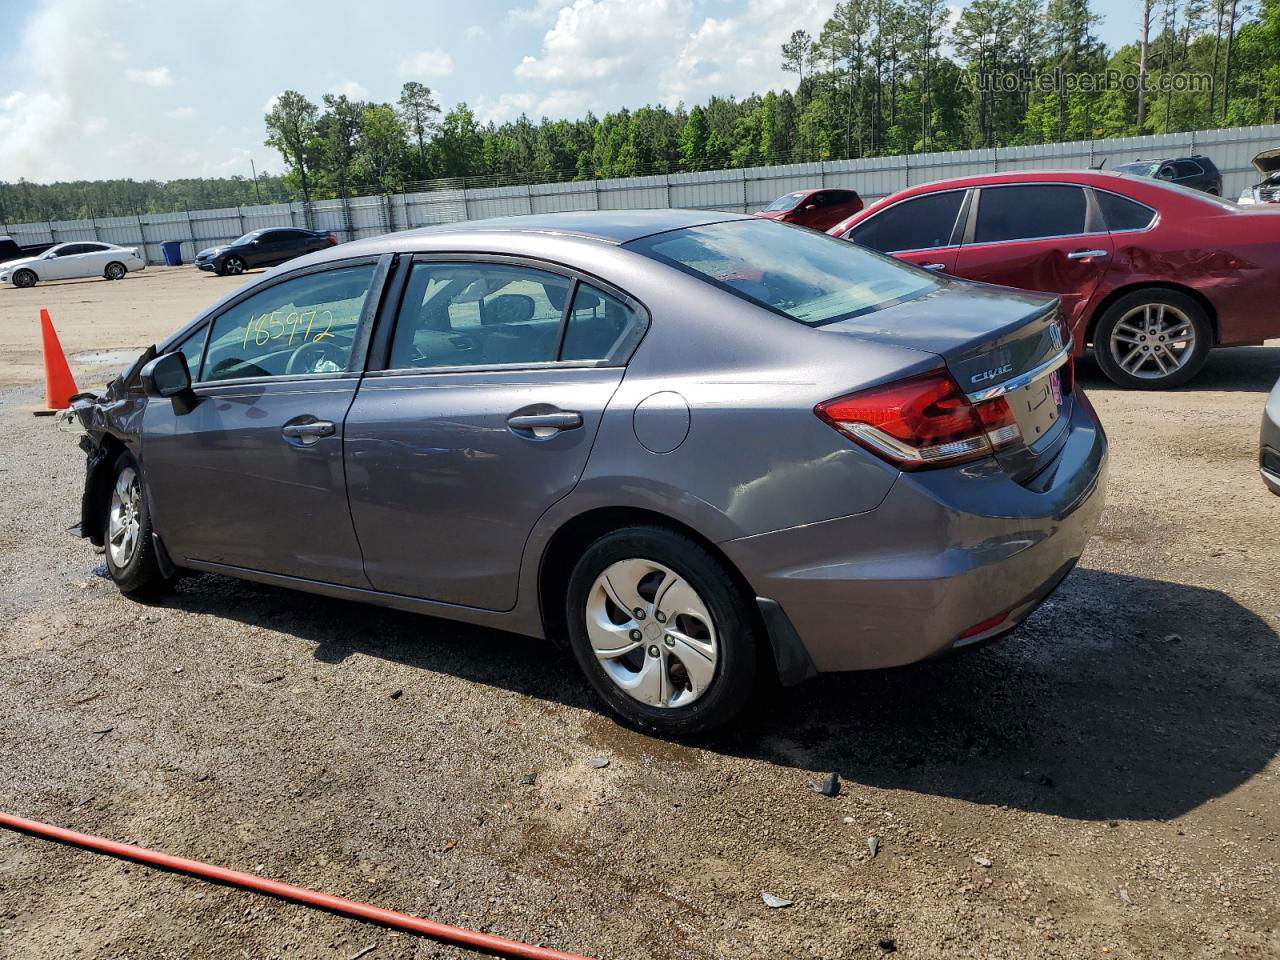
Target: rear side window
pixel 801 274
pixel 920 223
pixel 301 326
pixel 1029 213
pixel 1123 214
pixel 598 323
pixel 478 314
pixel 1187 168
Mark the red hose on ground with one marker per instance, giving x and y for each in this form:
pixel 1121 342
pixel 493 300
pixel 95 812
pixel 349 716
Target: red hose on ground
pixel 287 891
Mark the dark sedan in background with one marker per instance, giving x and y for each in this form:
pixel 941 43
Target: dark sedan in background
pixel 817 209
pixel 1197 173
pixel 263 248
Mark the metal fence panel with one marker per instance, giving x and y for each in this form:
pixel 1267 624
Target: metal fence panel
pixel 737 190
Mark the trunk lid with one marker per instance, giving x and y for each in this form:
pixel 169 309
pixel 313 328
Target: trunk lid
pixel 996 342
pixel 1267 162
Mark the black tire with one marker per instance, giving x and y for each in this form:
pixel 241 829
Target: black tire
pixel 232 267
pixel 1106 345
pixel 25 278
pixel 138 574
pixel 115 270
pixel 732 609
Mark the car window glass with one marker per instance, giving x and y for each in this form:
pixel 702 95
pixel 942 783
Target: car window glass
pixel 70 250
pixel 920 223
pixel 478 314
pixel 1026 213
pixel 304 325
pixel 598 323
pixel 1122 214
pixel 192 347
pixel 1187 168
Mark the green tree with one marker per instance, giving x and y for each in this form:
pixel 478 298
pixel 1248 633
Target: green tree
pixel 458 145
pixel 693 139
pixel 291 129
pixel 418 111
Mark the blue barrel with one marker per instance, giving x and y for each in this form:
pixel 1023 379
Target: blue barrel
pixel 172 251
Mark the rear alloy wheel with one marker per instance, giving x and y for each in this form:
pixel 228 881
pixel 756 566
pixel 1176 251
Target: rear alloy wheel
pixel 232 267
pixel 1152 340
pixel 115 271
pixel 24 278
pixel 131 554
pixel 662 631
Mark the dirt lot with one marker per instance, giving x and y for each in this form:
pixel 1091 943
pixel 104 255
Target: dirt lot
pixel 1115 761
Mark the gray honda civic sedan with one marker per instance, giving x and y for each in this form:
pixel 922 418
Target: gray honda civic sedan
pixel 696 447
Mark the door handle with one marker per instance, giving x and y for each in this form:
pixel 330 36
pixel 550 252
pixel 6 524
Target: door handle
pixel 935 267
pixel 309 432
pixel 543 425
pixel 1085 254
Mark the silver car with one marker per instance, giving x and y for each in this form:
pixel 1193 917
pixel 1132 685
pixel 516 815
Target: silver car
pixel 696 447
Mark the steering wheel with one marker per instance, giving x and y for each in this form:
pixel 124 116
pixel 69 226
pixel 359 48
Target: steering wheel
pixel 314 352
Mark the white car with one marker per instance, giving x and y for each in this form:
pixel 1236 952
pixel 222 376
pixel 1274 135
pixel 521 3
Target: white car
pixel 75 259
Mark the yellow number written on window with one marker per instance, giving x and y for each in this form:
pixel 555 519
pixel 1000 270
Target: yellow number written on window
pixel 298 326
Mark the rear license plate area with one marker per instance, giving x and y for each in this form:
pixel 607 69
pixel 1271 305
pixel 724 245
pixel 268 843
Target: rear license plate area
pixel 1037 407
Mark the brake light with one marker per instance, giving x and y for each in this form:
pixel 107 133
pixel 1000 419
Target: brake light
pixel 333 241
pixel 922 421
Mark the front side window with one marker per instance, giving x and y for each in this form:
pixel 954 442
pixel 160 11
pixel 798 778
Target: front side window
pixel 302 326
pixel 478 314
pixel 921 223
pixel 1029 212
pixel 193 349
pixel 801 274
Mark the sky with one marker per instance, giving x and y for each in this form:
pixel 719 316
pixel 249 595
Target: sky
pixel 149 90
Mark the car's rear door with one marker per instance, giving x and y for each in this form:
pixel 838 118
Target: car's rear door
pixel 251 475
pixel 923 229
pixel 1047 237
pixel 479 410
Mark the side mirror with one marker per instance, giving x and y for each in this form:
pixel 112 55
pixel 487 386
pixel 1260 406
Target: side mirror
pixel 253 243
pixel 167 376
pixel 811 206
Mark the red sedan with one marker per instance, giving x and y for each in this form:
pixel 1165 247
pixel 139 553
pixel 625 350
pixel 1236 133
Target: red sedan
pixel 819 209
pixel 1152 274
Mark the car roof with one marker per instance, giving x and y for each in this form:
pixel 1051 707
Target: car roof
pixel 610 226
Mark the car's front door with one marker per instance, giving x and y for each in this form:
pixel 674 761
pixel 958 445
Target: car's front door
pixel 494 380
pixel 63 263
pixel 924 230
pixel 251 475
pixel 1047 237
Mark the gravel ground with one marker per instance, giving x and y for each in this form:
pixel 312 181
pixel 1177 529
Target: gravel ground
pixel 1102 784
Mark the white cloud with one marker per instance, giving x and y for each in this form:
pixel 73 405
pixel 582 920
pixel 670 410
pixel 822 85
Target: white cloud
pixel 475 32
pixel 155 77
pixel 431 64
pixel 502 108
pixel 536 13
pixel 351 89
pixel 601 41
pixel 181 113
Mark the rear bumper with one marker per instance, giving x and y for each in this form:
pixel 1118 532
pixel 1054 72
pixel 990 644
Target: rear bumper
pixel 945 551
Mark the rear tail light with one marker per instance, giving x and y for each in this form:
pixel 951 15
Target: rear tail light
pixel 922 421
pixel 333 241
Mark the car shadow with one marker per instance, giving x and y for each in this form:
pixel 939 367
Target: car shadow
pixel 1227 370
pixel 1122 698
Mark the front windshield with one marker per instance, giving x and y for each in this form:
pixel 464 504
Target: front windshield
pixel 787 202
pixel 802 274
pixel 251 235
pixel 1140 168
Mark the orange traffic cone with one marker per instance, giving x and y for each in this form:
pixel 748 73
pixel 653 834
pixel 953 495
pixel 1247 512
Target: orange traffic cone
pixel 59 385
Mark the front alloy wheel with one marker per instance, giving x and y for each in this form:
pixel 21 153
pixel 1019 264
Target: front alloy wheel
pixel 124 518
pixel 652 633
pixel 233 266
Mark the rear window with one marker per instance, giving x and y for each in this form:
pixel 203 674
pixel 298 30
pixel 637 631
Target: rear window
pixel 798 273
pixel 787 202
